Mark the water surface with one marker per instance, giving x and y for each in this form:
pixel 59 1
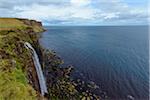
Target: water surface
pixel 114 57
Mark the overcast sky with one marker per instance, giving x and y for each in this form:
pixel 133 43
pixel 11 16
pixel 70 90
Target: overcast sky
pixel 78 12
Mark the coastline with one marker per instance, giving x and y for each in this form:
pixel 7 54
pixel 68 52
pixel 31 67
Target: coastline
pixel 17 66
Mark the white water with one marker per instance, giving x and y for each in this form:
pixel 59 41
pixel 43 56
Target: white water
pixel 37 64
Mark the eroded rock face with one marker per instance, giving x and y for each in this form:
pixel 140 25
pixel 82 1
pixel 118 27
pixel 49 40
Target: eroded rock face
pixel 36 24
pixel 31 22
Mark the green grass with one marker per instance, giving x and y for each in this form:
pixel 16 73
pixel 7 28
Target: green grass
pixel 14 59
pixel 16 23
pixel 12 88
pixel 11 23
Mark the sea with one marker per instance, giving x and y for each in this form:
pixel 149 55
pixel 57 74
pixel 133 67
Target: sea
pixel 116 58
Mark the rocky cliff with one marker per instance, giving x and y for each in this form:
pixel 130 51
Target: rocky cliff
pixel 18 77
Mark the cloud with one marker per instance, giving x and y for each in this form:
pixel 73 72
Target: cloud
pixel 80 2
pixel 75 12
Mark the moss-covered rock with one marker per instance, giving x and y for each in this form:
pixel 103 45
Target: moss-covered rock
pixel 60 85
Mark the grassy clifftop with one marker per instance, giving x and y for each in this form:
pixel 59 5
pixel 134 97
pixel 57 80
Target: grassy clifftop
pixel 15 60
pixel 16 23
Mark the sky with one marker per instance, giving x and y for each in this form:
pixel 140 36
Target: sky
pixel 78 12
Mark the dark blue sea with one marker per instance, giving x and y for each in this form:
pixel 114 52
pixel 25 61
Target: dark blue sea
pixel 116 58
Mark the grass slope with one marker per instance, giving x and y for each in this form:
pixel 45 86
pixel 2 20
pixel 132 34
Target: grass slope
pixel 14 59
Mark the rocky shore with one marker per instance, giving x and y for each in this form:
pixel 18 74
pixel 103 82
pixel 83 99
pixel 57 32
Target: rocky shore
pixel 18 77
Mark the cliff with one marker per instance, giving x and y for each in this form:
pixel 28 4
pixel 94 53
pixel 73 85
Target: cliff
pixel 22 24
pixel 18 79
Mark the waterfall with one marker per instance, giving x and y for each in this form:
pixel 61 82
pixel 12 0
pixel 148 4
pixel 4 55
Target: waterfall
pixel 37 64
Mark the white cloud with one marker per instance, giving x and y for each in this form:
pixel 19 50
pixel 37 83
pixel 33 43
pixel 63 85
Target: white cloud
pixel 110 15
pixel 74 11
pixel 53 12
pixel 80 2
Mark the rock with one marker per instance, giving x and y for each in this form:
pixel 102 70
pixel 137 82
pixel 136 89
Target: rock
pixel 130 97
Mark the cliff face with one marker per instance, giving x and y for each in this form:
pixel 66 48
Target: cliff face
pixel 36 25
pixel 18 79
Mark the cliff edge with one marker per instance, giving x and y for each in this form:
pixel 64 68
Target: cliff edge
pixel 18 76
pixel 18 79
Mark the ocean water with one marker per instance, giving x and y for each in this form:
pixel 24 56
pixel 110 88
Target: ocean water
pixel 116 58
